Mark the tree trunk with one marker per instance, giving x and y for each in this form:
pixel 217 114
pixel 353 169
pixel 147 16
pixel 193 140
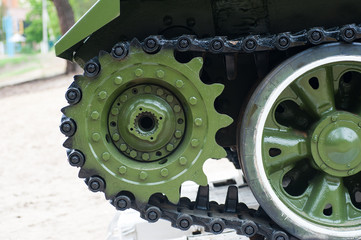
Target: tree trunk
pixel 66 20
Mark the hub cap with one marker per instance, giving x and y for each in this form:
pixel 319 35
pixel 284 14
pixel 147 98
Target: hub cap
pixel 301 143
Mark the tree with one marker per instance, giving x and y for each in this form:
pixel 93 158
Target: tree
pixel 66 20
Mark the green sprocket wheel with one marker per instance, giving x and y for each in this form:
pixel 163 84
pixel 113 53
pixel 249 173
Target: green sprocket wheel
pixel 144 124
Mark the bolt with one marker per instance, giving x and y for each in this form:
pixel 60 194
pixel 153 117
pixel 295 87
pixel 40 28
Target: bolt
pixel 178 134
pixel 179 83
pixel 123 98
pixel 183 161
pixel 145 156
pixel 123 147
pixel 122 204
pixel 250 44
pixel 152 215
pixel 170 147
pixel 170 98
pixel 193 100
pixel 103 95
pixel 91 67
pixel 184 223
pixel 133 154
pixel 349 33
pixel 198 122
pixel 195 142
pixel 96 184
pixel 116 137
pixel 164 172
pixel 283 41
pixel 138 72
pixel 160 92
pixel 316 36
pixel 73 96
pixel 177 108
pixel 184 43
pixel 122 170
pixel 118 80
pixel 96 137
pixel 151 43
pixel 334 118
pixel 143 175
pixel 106 156
pixel 217 227
pixel 118 51
pixel 217 45
pixel 249 230
pixel 76 159
pixel 94 115
pixel 148 89
pixel 115 111
pixel 351 172
pixel 315 139
pixel 160 73
pixel 68 127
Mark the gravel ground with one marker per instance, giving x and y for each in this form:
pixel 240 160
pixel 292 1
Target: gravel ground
pixel 40 195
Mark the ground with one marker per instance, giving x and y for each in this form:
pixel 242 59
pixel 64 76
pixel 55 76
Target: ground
pixel 40 195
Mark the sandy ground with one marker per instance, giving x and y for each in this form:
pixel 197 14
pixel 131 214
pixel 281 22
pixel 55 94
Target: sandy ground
pixel 40 195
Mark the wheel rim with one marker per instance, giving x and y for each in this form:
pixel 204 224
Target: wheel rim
pixel 306 156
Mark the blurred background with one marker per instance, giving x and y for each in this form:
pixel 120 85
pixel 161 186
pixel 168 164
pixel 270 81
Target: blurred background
pixel 41 196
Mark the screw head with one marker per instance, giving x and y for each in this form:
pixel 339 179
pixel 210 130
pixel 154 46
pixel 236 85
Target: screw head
pixel 349 33
pixel 153 214
pixel 283 41
pixel 183 43
pixel 68 127
pixel 150 45
pixel 96 184
pixel 122 202
pixel 91 69
pixel 184 223
pixel 73 95
pixel 122 170
pixel 216 45
pixel 76 158
pixel 316 35
pixel 183 161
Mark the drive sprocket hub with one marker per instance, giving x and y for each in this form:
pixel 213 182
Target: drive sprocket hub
pixel 145 124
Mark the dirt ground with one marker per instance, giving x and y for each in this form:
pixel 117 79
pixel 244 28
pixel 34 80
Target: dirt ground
pixel 40 195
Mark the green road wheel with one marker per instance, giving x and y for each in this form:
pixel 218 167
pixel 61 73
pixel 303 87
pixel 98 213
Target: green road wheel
pixel 301 143
pixel 146 123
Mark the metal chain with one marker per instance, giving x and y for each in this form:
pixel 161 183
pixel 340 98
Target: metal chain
pixel 212 216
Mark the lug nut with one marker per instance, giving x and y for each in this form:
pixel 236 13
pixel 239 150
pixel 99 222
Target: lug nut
pixel 153 214
pixel 67 127
pixel 96 184
pixel 73 95
pixel 76 158
pixel 122 202
pixel 283 42
pixel 184 222
pixel 91 69
pixel 119 51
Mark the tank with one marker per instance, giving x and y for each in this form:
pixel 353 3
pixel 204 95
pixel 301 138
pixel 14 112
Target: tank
pixel 274 85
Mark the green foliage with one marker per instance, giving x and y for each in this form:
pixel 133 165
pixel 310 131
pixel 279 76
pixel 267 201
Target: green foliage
pixel 34 23
pixel 81 7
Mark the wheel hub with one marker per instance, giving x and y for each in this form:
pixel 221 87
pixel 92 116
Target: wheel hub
pixel 336 143
pixel 147 122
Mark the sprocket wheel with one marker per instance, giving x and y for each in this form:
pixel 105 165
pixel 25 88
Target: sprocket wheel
pixel 143 124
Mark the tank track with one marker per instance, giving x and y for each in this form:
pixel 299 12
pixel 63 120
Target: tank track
pixel 212 216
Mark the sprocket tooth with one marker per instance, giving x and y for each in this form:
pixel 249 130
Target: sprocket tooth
pixel 135 45
pixel 196 64
pixel 224 121
pixel 105 58
pixel 63 110
pixel 218 152
pixel 77 78
pixel 173 195
pixel 217 89
pixel 201 178
pixel 68 143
